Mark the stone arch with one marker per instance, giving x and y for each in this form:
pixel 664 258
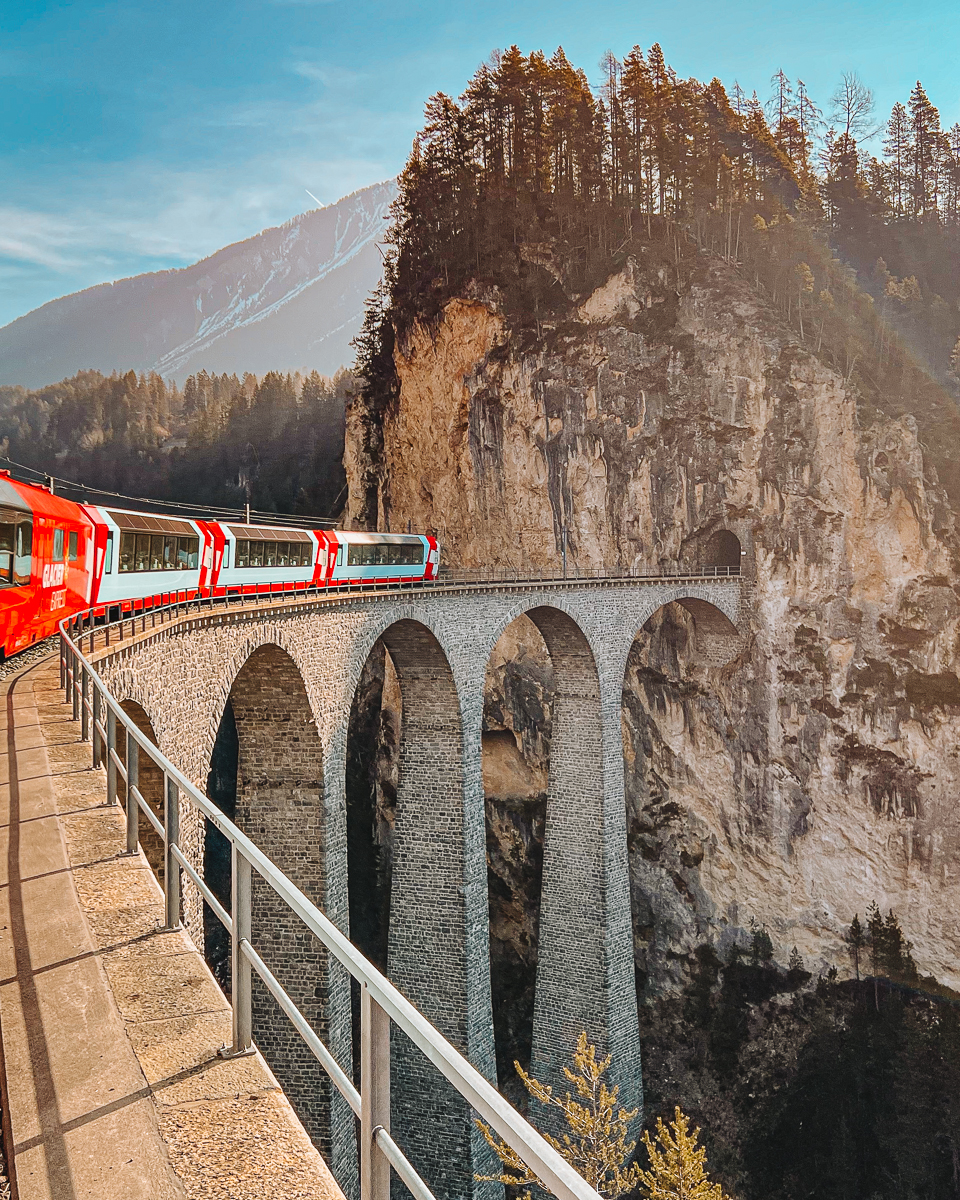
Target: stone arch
pixel 150 785
pixel 517 722
pixel 723 549
pixel 584 976
pixel 666 648
pixel 717 639
pixel 279 805
pixel 437 938
pixel 227 671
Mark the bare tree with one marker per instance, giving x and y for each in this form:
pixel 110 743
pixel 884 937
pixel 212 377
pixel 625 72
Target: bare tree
pixel 853 108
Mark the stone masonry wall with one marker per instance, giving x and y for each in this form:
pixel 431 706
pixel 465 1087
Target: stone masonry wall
pixel 439 942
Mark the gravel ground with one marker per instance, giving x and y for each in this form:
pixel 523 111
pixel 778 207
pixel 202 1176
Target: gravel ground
pixel 24 659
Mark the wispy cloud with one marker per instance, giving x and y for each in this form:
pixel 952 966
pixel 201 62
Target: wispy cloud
pixel 329 74
pixel 39 238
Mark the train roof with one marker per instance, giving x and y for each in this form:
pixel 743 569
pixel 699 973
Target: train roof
pixel 29 497
pixel 356 535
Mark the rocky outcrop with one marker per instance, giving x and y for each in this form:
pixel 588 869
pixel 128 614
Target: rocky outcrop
pixel 817 771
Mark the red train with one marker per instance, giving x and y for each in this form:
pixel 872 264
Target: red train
pixel 58 558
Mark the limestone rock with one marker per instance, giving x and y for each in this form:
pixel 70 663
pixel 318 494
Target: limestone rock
pixel 816 772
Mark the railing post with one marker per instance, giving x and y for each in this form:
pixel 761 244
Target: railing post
pixel 74 690
pixel 374 1096
pixel 84 702
pixel 171 868
pixel 240 969
pixel 63 662
pixel 133 781
pixel 97 715
pixel 111 750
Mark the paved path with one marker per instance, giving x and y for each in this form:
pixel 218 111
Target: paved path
pixel 110 1027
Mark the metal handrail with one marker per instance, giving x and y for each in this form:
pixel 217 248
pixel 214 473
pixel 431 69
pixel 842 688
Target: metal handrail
pixel 380 1002
pixel 161 608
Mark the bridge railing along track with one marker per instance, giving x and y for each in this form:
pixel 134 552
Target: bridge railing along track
pixel 102 720
pixel 159 610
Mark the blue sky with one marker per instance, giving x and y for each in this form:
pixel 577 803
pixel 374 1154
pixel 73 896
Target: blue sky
pixel 142 134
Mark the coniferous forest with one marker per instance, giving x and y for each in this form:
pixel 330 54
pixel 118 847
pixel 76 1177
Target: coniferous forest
pixel 275 443
pixel 539 186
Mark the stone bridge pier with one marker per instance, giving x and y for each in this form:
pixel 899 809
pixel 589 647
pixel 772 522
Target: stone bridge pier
pixel 290 673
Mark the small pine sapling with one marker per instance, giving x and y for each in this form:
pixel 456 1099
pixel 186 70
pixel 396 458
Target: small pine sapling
pixel 856 939
pixel 677 1164
pixel 596 1145
pixel 761 945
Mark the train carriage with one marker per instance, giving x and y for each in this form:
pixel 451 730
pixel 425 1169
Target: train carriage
pixel 140 556
pixel 45 562
pixel 386 557
pixel 251 557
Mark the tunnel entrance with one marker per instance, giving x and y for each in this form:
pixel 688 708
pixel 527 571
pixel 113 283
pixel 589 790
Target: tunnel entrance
pixel 723 550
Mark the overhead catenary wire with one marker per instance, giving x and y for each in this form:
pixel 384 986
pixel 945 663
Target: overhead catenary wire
pixel 208 511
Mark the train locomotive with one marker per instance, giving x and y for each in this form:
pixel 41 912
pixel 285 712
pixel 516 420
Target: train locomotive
pixel 58 558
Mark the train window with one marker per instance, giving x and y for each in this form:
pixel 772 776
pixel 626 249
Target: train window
pixel 188 553
pixel 16 545
pixel 7 534
pixel 157 552
pixel 108 560
pixel 226 556
pixel 272 554
pixel 383 554
pixel 57 546
pixel 22 554
pixel 141 556
pixel 73 547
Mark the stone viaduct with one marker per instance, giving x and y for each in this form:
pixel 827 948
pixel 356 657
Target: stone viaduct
pixel 290 672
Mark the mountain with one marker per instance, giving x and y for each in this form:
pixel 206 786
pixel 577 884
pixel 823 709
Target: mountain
pixel 289 298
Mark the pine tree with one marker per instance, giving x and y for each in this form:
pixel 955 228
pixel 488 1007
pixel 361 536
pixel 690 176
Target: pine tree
pixel 598 1147
pixel 805 282
pixel 677 1164
pixel 898 148
pixel 875 937
pixel 927 148
pixel 853 107
pixel 781 106
pixel 856 938
pixel 761 946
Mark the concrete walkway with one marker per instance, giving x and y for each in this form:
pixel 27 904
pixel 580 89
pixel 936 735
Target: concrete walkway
pixel 110 1027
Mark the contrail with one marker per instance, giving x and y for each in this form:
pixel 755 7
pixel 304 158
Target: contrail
pixel 313 198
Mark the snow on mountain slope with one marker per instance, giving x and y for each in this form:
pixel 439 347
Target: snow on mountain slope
pixel 290 298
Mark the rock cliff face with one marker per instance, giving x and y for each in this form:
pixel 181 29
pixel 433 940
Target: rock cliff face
pixel 818 770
